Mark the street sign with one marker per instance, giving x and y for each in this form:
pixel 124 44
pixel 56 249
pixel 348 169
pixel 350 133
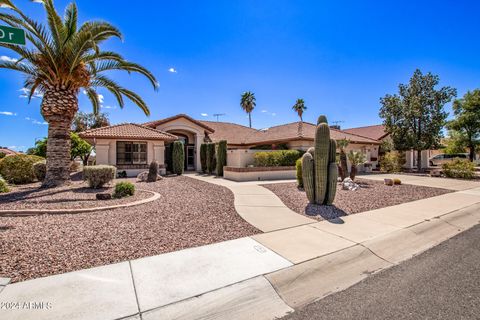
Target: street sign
pixel 12 35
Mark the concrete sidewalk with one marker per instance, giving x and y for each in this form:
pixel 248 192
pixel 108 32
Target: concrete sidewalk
pixel 261 277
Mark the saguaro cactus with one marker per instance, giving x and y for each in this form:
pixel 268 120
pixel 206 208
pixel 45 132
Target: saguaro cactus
pixel 320 171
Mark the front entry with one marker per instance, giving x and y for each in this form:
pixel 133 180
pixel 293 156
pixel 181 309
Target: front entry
pixel 189 152
pixel 190 157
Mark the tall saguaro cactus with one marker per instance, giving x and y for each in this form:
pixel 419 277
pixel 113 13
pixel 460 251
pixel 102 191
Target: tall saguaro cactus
pixel 320 171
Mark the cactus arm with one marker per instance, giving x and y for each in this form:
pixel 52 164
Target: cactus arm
pixel 308 176
pixel 332 183
pixel 322 147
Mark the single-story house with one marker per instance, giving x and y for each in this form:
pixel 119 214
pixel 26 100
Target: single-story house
pixel 131 147
pixel 8 152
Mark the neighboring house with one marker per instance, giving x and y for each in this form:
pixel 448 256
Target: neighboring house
pixel 131 147
pixel 8 152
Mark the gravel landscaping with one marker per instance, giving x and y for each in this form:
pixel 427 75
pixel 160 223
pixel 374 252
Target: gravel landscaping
pixel 75 196
pixel 372 195
pixel 189 213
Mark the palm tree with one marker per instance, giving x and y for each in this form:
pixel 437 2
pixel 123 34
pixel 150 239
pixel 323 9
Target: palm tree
pixel 356 158
pixel 62 60
pixel 299 107
pixel 342 144
pixel 248 103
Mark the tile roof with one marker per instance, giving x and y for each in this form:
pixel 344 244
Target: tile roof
pixel 156 123
pixel 232 132
pixel 8 151
pixel 128 131
pixel 376 132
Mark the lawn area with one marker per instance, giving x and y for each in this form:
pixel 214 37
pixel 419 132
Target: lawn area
pixel 372 195
pixel 189 213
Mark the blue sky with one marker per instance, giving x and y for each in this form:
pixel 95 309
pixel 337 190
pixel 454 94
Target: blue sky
pixel 340 57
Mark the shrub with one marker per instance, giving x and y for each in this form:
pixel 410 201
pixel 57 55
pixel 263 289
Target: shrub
pixel 3 186
pixel 98 176
pixel 203 156
pixel 298 167
pixel 459 168
pixel 152 172
pixel 2 155
pixel 397 181
pixel 278 158
pixel 211 161
pixel 124 189
pixel 178 158
pixel 392 161
pixel 221 156
pixel 40 169
pixel 18 168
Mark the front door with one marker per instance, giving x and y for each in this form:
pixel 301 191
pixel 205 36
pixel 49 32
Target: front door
pixel 190 158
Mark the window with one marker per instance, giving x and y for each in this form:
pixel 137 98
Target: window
pixel 131 152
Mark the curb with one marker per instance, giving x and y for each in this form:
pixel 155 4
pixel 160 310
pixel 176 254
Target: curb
pixel 30 212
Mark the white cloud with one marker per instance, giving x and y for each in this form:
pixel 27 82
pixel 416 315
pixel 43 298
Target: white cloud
pixel 7 113
pixel 16 147
pixel 172 70
pixel 100 98
pixel 204 114
pixel 273 114
pixel 25 91
pixel 8 59
pixel 109 107
pixel 264 111
pixel 35 121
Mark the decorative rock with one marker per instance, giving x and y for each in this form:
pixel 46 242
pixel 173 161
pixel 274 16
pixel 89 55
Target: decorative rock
pixel 103 196
pixel 388 182
pixel 349 184
pixel 143 176
pixel 436 173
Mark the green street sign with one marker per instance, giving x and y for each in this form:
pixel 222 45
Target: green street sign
pixel 12 35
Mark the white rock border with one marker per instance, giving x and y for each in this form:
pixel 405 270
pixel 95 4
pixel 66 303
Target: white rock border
pixel 30 212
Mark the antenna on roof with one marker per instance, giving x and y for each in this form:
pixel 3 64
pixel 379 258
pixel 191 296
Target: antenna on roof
pixel 217 115
pixel 336 124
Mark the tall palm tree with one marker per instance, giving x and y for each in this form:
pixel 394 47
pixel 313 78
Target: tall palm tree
pixel 61 60
pixel 299 107
pixel 248 103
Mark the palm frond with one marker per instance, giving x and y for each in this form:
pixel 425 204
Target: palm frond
pixel 135 98
pixel 71 17
pixel 127 66
pixel 93 97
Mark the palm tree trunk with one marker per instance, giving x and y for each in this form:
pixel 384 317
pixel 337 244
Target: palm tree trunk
pixel 58 108
pixel 419 161
pixel 250 119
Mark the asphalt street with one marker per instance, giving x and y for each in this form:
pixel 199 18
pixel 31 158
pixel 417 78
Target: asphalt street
pixel 441 283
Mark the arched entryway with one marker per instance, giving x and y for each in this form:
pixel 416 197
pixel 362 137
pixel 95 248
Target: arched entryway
pixel 188 141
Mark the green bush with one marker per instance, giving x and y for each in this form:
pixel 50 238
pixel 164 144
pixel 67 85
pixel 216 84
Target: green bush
pixel 459 168
pixel 392 161
pixel 98 176
pixel 2 155
pixel 203 156
pixel 211 159
pixel 298 167
pixel 18 168
pixel 3 186
pixel 279 158
pixel 40 169
pixel 178 157
pixel 124 189
pixel 221 156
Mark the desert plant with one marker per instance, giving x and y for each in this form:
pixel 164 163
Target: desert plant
pixel 459 168
pixel 298 168
pixel 203 156
pixel 40 169
pixel 221 157
pixel 98 176
pixel 60 61
pixel 319 168
pixel 342 144
pixel 278 158
pixel 123 189
pixel 152 171
pixel 178 157
pixel 356 158
pixel 392 161
pixel 18 168
pixel 397 181
pixel 211 161
pixel 3 186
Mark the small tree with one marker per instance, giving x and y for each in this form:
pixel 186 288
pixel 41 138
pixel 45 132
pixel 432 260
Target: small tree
pixel 356 158
pixel 221 156
pixel 456 142
pixel 342 144
pixel 211 158
pixel 414 118
pixel 85 121
pixel 178 157
pixel 467 120
pixel 203 156
pixel 79 148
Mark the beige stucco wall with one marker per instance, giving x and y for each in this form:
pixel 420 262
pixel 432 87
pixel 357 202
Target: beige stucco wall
pixel 194 132
pixel 259 175
pixel 240 157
